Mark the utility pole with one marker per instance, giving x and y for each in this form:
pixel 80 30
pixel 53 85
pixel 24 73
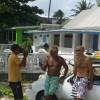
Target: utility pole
pixel 49 11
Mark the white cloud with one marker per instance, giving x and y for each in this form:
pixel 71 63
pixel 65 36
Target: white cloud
pixel 64 5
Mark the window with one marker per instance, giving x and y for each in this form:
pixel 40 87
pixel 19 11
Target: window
pixel 95 42
pixel 68 40
pixel 7 36
pixel 44 38
pixel 56 39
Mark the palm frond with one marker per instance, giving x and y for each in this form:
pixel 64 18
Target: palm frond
pixel 82 5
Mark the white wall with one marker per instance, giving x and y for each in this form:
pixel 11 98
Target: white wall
pixel 87 41
pixel 39 40
pixel 99 43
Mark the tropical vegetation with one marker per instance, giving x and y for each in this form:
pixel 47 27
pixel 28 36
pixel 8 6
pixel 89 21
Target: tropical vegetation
pixel 82 5
pixel 5 91
pixel 59 15
pixel 98 3
pixel 18 13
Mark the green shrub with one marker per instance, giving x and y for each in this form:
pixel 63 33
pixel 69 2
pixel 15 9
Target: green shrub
pixel 6 91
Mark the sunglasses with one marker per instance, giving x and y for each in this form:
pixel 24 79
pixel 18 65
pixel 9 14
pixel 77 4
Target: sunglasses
pixel 77 50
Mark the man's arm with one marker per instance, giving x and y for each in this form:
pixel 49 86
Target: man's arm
pixel 75 66
pixel 65 71
pixel 75 71
pixel 45 65
pixel 66 68
pixel 23 62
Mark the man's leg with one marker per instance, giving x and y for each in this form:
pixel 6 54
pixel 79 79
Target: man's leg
pixel 47 85
pixel 81 89
pixel 78 99
pixel 48 98
pixel 75 98
pixel 17 90
pixel 13 88
pixel 54 83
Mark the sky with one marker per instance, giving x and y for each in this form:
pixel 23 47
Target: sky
pixel 64 5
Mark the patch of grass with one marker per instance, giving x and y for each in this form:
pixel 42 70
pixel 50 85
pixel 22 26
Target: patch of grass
pixel 25 98
pixel 6 91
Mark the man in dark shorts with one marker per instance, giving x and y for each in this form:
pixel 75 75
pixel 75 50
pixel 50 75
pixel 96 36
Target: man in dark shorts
pixel 14 71
pixel 53 66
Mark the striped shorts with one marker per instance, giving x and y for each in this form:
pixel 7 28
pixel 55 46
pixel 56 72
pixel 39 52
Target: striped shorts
pixel 79 88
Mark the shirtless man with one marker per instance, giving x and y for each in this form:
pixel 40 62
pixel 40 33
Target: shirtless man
pixel 53 66
pixel 83 73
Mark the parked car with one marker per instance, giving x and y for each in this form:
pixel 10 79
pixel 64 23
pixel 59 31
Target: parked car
pixel 36 90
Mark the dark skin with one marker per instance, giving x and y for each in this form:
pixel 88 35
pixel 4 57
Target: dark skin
pixel 25 54
pixel 53 65
pixel 18 64
pixel 83 65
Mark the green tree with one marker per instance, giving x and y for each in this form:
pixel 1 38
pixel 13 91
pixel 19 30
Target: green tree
pixel 59 15
pixel 82 5
pixel 27 43
pixel 98 3
pixel 17 13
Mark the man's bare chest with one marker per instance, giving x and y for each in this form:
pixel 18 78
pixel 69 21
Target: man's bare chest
pixel 81 63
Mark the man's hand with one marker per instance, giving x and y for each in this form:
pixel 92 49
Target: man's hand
pixel 62 78
pixel 90 85
pixel 25 53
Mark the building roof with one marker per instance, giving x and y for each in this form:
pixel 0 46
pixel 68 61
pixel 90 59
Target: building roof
pixel 42 26
pixel 59 31
pixel 24 27
pixel 86 20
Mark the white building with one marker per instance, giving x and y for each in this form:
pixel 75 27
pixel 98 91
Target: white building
pixel 87 23
pixel 84 30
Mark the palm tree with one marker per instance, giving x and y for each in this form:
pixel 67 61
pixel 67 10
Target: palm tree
pixel 59 15
pixel 98 3
pixel 83 5
pixel 49 11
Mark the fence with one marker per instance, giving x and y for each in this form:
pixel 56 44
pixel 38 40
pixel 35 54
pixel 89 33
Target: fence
pixel 4 46
pixel 33 62
pixel 32 65
pixel 3 62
